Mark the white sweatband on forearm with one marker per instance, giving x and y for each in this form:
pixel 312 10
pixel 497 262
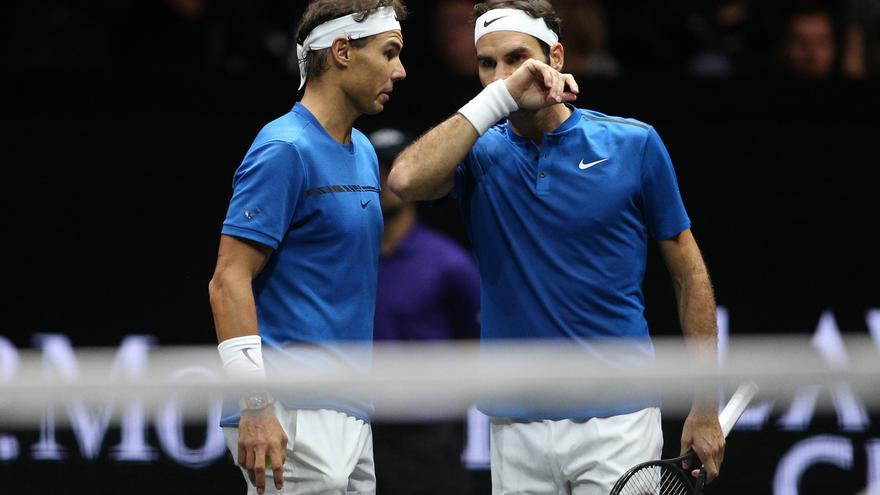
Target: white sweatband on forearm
pixel 243 357
pixel 491 105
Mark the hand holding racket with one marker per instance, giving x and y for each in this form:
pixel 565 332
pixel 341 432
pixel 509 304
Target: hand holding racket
pixel 668 476
pixel 702 435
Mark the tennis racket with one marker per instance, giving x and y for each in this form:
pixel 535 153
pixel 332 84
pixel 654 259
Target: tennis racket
pixel 666 476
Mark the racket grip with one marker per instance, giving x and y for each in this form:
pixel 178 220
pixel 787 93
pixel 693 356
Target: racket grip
pixel 736 406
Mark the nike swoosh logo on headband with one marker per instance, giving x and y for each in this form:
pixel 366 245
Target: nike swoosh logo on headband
pixel 486 23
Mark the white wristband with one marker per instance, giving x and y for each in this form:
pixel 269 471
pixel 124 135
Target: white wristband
pixel 491 105
pixel 243 357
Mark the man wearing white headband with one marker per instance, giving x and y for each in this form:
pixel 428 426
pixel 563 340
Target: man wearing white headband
pixel 298 260
pixel 560 204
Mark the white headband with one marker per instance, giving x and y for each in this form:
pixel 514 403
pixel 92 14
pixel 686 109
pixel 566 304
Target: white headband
pixel 513 20
pixel 384 19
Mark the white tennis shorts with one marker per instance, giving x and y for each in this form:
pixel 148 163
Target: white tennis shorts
pixel 328 452
pixel 583 457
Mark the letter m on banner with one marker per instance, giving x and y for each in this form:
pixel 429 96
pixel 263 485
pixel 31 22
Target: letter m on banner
pixel 90 424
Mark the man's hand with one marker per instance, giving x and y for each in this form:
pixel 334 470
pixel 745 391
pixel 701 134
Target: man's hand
pixel 702 433
pixel 535 85
pixel 261 436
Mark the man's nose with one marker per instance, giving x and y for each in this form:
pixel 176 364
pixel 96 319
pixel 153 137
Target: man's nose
pixel 399 73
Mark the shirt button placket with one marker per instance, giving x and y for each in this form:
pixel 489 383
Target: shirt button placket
pixel 543 185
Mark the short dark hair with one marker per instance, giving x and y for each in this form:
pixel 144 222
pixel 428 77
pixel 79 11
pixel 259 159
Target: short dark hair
pixel 321 11
pixel 539 9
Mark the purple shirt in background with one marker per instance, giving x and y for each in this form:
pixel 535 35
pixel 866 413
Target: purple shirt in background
pixel 429 289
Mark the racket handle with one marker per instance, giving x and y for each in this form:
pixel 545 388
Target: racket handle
pixel 701 481
pixel 736 406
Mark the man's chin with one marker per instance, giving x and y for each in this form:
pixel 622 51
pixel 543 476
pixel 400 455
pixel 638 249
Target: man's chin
pixel 375 108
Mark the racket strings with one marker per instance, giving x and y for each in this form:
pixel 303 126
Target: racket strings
pixel 654 480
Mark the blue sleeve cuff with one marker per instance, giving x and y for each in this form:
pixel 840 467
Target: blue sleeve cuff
pixel 252 235
pixel 669 233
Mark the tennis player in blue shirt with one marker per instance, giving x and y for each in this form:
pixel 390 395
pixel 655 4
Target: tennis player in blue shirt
pixel 299 254
pixel 560 204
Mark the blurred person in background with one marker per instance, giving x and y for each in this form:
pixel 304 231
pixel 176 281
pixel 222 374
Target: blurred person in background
pixel 209 36
pixel 810 47
pixel 586 38
pixel 297 265
pixel 428 290
pixel 61 35
pixel 713 38
pixel 712 57
pixel 723 37
pixel 454 36
pixel 861 52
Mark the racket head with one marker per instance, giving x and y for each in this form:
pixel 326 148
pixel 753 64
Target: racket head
pixel 661 477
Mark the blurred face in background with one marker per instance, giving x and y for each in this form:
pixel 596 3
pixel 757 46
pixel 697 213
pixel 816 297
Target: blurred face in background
pixel 190 9
pixel 454 35
pixel 810 47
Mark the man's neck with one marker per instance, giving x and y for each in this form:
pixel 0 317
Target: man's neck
pixel 533 124
pixel 397 229
pixel 332 108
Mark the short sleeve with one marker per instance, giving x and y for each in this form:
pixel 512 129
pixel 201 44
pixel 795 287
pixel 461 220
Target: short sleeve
pixel 664 210
pixel 266 188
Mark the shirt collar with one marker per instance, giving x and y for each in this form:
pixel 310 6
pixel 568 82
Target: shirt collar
pixel 305 113
pixel 570 123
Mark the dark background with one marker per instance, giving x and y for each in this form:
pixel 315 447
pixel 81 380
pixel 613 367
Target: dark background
pixel 115 190
pixel 118 153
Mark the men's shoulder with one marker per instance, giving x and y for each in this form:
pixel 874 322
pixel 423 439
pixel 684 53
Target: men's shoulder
pixel 365 151
pixel 278 144
pixel 496 132
pixel 494 137
pixel 362 142
pixel 615 124
pixel 289 128
pixel 358 137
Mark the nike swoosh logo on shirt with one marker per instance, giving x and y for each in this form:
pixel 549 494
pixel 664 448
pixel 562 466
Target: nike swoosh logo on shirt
pixel 584 166
pixel 486 23
pixel 364 205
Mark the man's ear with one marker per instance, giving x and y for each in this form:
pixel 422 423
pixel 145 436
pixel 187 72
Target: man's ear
pixel 557 56
pixel 340 52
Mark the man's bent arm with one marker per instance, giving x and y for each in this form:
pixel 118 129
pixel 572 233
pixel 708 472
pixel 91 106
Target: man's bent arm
pixel 425 170
pixel 696 309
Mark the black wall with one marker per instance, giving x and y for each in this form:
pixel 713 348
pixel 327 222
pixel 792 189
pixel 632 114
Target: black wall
pixel 113 190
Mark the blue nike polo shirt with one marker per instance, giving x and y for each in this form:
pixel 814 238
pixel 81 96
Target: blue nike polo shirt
pixel 315 202
pixel 561 231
